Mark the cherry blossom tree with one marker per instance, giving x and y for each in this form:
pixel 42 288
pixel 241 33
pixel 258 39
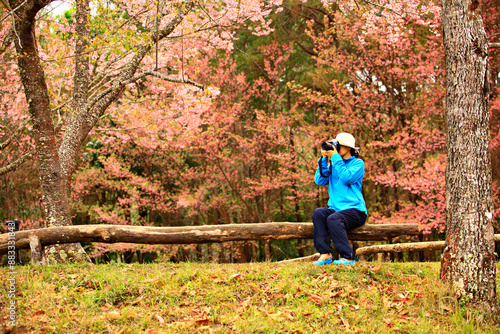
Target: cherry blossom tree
pixel 383 81
pixel 223 161
pixel 106 59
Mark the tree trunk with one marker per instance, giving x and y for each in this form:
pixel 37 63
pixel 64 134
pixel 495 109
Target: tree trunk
pixel 468 262
pixel 54 194
pixel 73 134
pixel 194 234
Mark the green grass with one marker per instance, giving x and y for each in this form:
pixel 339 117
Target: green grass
pixel 239 298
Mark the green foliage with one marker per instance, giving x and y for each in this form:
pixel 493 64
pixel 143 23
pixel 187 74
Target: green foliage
pixel 91 154
pixel 69 14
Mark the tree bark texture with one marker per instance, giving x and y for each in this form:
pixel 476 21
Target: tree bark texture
pixel 73 134
pixel 194 234
pixel 468 261
pixel 54 194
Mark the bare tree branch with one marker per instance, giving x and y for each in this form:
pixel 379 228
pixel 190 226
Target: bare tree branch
pixel 387 8
pixel 12 11
pixel 116 85
pixel 306 50
pixel 137 77
pixel 102 79
pixel 126 76
pixel 128 104
pixel 15 133
pixel 494 45
pixel 13 165
pixel 6 4
pixel 7 41
pixel 126 129
pixel 177 80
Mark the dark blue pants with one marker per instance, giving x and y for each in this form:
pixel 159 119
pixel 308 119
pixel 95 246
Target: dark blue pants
pixel 331 225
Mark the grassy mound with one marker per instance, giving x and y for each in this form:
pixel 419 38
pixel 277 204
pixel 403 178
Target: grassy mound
pixel 238 298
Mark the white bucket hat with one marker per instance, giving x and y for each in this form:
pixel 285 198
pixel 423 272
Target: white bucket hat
pixel 346 139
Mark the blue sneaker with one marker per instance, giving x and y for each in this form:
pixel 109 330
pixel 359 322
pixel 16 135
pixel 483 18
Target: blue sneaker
pixel 321 262
pixel 344 261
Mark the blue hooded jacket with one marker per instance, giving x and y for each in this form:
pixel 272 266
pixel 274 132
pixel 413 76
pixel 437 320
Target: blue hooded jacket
pixel 344 183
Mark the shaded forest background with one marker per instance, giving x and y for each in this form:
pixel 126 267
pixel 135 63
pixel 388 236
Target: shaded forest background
pixel 245 149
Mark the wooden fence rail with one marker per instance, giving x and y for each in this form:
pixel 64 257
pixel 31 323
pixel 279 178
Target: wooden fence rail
pixel 191 234
pixel 405 247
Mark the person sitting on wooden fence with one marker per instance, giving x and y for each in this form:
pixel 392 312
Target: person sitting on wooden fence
pixel 346 207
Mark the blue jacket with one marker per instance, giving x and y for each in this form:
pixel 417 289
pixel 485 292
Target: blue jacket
pixel 344 184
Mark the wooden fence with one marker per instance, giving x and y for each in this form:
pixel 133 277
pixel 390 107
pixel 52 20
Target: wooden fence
pixel 38 238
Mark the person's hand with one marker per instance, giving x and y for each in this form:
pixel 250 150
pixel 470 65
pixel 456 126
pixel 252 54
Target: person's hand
pixel 328 153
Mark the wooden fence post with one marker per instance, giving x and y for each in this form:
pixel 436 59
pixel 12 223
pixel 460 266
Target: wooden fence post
pixel 37 254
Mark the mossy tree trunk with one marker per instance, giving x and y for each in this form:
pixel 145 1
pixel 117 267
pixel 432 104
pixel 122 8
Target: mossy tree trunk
pixel 55 195
pixel 468 261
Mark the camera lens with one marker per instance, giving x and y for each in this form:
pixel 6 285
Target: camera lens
pixel 326 146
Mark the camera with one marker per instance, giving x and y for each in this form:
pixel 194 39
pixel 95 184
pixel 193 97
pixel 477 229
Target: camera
pixel 14 222
pixel 329 145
